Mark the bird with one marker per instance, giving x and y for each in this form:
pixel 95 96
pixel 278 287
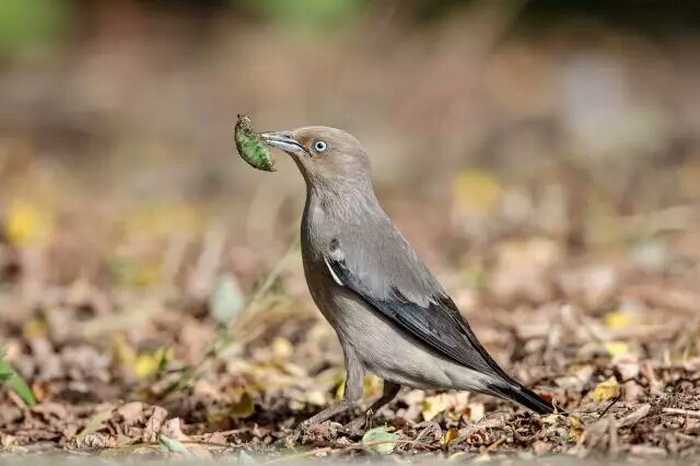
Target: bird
pixel 392 317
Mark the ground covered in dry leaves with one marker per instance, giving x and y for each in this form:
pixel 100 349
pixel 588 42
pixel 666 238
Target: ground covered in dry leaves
pixel 223 355
pixel 152 301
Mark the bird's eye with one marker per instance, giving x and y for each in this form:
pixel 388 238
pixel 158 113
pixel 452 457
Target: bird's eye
pixel 320 146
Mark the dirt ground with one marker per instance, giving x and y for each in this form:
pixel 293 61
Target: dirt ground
pixel 610 336
pixel 152 299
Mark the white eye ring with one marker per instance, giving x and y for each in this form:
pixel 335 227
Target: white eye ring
pixel 320 146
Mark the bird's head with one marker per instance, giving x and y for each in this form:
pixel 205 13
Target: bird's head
pixel 325 156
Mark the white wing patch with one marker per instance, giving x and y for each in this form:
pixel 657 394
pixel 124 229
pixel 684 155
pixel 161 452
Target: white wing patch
pixel 336 279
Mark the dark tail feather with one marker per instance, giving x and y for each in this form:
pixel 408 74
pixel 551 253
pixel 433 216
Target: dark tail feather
pixel 522 395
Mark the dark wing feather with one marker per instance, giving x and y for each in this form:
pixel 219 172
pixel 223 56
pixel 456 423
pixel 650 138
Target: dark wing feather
pixel 437 324
pixel 430 316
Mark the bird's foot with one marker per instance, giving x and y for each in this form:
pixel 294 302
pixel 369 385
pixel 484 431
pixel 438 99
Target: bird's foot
pixel 304 425
pixel 360 424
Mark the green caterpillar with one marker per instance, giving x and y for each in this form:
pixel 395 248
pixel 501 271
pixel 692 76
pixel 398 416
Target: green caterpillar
pixel 250 147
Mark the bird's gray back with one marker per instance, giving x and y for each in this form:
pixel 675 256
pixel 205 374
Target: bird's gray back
pixel 354 246
pixel 369 243
pixel 385 264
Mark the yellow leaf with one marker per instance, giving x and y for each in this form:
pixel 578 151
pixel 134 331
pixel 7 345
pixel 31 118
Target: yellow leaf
pixel 339 381
pixel 620 319
pixel 282 349
pixel 39 391
pixel 616 348
pixel 575 422
pixel 450 436
pixel 149 363
pixel 28 223
pixel 244 407
pixel 606 390
pixel 476 191
pixel 371 386
pixel 433 406
pixel 146 365
pixel 576 427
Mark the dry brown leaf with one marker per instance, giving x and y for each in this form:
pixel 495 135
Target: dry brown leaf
pixel 154 423
pixel 172 428
pixel 94 441
pixel 132 413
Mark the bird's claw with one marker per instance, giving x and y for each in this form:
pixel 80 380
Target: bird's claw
pixel 304 427
pixel 305 424
pixel 358 425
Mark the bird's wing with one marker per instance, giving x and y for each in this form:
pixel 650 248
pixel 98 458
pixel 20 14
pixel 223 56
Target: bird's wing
pixel 397 284
pixel 385 272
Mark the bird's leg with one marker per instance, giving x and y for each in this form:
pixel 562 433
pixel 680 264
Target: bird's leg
pixel 354 384
pixel 389 392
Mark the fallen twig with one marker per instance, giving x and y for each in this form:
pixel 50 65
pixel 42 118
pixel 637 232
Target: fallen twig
pixel 634 417
pixel 682 412
pixel 612 403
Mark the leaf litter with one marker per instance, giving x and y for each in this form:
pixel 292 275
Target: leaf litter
pixel 226 361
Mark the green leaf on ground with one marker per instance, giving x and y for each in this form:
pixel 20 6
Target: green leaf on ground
pixel 16 383
pixel 380 440
pixel 175 446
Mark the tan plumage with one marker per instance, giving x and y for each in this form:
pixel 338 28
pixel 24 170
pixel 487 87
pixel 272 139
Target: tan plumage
pixel 392 317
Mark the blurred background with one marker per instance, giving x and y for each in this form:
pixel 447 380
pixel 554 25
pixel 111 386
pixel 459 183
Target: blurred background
pixel 117 115
pixel 537 154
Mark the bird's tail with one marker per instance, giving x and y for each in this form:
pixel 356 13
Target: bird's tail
pixel 520 394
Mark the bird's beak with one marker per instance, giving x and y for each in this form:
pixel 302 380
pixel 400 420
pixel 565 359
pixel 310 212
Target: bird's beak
pixel 283 140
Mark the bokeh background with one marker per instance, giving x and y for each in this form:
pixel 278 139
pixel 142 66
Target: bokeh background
pixel 544 113
pixel 542 156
